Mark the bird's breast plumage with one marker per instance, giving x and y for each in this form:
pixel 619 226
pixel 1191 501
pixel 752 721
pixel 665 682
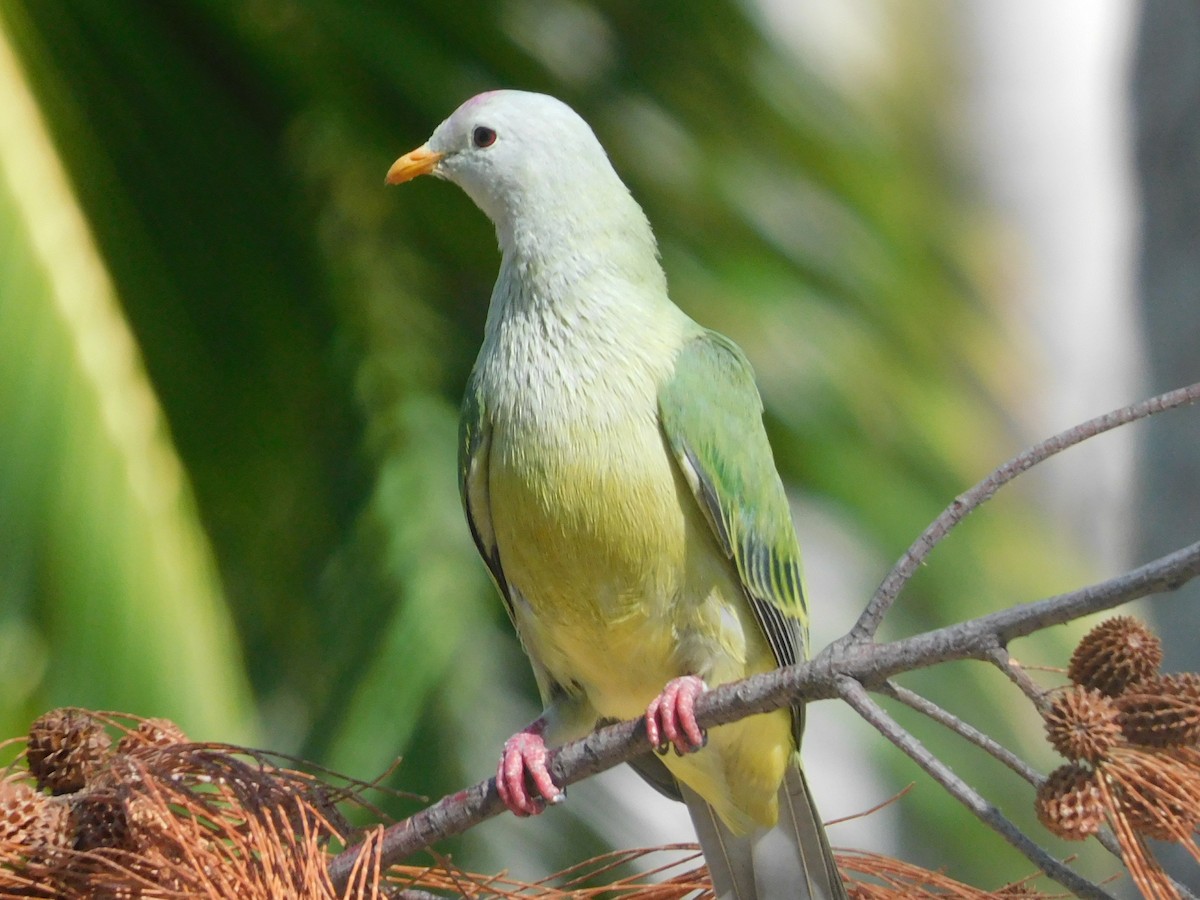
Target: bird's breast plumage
pixel 597 532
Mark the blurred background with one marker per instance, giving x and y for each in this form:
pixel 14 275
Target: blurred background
pixel 231 360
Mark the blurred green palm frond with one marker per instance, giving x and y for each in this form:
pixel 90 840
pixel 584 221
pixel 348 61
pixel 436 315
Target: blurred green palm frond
pixel 249 491
pixel 110 595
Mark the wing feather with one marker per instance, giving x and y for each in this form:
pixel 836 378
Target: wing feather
pixel 712 419
pixel 474 444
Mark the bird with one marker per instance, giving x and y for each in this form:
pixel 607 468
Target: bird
pixel 619 485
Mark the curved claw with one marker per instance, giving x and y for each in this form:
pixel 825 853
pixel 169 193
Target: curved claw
pixel 671 716
pixel 524 762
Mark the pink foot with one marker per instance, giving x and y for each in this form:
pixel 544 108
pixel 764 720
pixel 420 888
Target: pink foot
pixel 524 761
pixel 671 716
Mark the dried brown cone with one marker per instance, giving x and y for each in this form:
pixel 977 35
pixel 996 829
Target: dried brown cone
pixel 1069 804
pixel 101 819
pixel 31 824
pixel 66 748
pixel 1163 711
pixel 19 808
pixel 1115 654
pixel 181 820
pixel 1083 724
pixel 151 733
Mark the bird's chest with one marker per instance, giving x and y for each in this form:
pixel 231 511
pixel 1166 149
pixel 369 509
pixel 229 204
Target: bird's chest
pixel 587 510
pixel 592 520
pixel 591 536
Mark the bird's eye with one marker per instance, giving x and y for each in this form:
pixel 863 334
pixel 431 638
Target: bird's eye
pixel 483 136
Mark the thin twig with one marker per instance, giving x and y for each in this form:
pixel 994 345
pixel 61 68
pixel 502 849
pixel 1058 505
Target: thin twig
pixel 964 730
pixel 965 503
pixel 1003 661
pixel 855 695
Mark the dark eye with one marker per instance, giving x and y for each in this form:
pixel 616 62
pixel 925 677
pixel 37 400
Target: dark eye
pixel 483 136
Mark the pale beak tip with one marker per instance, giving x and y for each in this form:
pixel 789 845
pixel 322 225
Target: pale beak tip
pixel 421 161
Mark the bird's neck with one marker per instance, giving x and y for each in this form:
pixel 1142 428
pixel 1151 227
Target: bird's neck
pixel 581 271
pixel 556 238
pixel 576 335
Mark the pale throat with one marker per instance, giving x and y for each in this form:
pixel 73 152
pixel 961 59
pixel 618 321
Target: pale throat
pixel 568 345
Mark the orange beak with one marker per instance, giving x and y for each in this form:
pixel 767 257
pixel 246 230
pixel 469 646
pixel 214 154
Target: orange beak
pixel 418 162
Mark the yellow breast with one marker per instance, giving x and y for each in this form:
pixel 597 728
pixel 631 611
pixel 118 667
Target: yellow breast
pixel 617 583
pixel 594 541
pixel 620 587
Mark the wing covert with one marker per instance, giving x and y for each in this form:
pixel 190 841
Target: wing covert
pixel 474 444
pixel 712 418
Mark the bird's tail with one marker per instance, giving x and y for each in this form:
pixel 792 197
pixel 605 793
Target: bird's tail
pixel 791 861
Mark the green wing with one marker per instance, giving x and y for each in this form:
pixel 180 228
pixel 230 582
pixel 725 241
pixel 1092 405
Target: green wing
pixel 712 418
pixel 474 443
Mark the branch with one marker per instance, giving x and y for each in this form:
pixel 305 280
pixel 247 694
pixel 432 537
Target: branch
pixel 868 664
pixel 851 665
pixel 868 623
pixel 873 664
pixel 1000 658
pixel 453 814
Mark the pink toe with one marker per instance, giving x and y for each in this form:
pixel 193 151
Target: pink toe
pixel 524 761
pixel 671 716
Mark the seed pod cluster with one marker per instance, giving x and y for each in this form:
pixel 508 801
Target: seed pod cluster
pixel 156 815
pixel 1132 736
pixel 81 799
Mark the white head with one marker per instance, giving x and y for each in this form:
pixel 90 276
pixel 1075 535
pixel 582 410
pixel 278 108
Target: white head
pixel 535 168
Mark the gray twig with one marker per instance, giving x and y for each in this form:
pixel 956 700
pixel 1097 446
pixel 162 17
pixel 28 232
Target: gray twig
pixel 999 656
pixel 856 696
pixel 968 732
pixel 868 623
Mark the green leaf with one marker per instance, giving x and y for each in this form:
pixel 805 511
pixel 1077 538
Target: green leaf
pixel 109 589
